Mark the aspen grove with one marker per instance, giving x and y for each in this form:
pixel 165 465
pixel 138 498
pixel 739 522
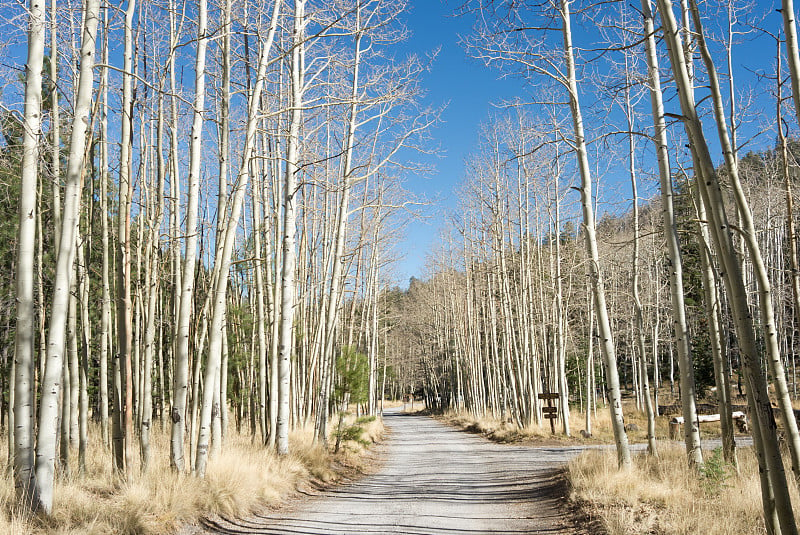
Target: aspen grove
pixel 194 247
pixel 203 202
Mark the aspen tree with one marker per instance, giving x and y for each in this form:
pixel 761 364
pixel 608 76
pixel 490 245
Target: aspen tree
pixel 257 211
pixel 787 184
pixel 290 190
pixel 84 357
pixel 601 310
pixel 55 125
pixel 748 233
pixel 123 255
pixel 223 254
pixel 105 309
pixel 637 300
pixel 342 214
pixel 152 287
pixel 183 323
pixel 558 310
pixel 24 367
pixel 48 412
pixel 777 503
pixel 210 408
pixel 679 325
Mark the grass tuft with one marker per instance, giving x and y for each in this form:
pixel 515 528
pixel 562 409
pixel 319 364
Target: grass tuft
pixel 663 495
pixel 241 479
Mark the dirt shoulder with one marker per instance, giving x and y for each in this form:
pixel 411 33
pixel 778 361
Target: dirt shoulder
pixel 432 479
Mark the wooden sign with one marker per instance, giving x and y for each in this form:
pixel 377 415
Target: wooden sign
pixel 549 412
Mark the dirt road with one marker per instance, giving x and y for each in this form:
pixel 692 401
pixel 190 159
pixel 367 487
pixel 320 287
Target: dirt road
pixel 434 480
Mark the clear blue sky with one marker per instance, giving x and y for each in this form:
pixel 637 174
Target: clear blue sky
pixel 468 88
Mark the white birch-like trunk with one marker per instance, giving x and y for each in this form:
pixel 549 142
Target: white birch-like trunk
pixel 644 383
pixel 680 326
pixel 22 447
pixel 105 309
pixel 777 503
pixel 601 310
pixel 222 261
pixel 288 281
pixel 85 357
pixel 342 214
pixel 181 376
pixel 123 253
pixel 55 125
pixel 766 306
pixel 51 385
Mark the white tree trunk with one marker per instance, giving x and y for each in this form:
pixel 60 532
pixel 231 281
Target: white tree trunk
pixel 181 379
pixel 777 505
pixel 48 412
pixel 105 313
pixel 24 369
pixel 680 326
pixel 288 282
pixel 601 310
pixel 222 261
pixel 766 306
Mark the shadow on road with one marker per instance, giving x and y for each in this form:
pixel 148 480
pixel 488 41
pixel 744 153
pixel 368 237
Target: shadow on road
pixel 436 481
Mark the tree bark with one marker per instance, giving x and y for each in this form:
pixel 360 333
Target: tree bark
pixel 181 378
pixel 601 310
pixel 48 413
pixel 22 445
pixel 288 281
pixel 778 506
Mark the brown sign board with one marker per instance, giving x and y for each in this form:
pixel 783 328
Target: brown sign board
pixel 552 416
pixel 549 395
pixel 550 410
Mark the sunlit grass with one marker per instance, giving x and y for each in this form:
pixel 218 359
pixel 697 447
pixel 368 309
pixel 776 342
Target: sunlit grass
pixel 663 495
pixel 242 478
pixel 503 430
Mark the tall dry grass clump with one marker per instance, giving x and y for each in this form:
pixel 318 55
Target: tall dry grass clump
pixel 663 495
pixel 500 430
pixel 493 428
pixel 242 478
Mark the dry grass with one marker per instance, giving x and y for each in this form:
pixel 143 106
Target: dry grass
pixel 498 430
pixel 495 428
pixel 663 496
pixel 241 479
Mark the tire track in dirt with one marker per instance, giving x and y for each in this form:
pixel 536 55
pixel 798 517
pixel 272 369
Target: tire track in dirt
pixel 434 480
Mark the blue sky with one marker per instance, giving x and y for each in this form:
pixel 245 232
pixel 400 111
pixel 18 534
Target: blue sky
pixel 468 89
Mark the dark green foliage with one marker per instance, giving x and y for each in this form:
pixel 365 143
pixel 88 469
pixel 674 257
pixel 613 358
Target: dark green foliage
pixel 352 375
pixel 702 357
pixel 353 433
pixel 714 472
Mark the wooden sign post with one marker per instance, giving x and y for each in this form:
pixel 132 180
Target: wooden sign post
pixel 549 411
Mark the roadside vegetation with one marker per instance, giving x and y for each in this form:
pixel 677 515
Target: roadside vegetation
pixel 662 495
pixel 241 479
pixel 658 494
pixel 505 430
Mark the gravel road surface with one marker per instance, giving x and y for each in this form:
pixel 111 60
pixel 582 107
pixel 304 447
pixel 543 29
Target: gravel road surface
pixel 434 480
